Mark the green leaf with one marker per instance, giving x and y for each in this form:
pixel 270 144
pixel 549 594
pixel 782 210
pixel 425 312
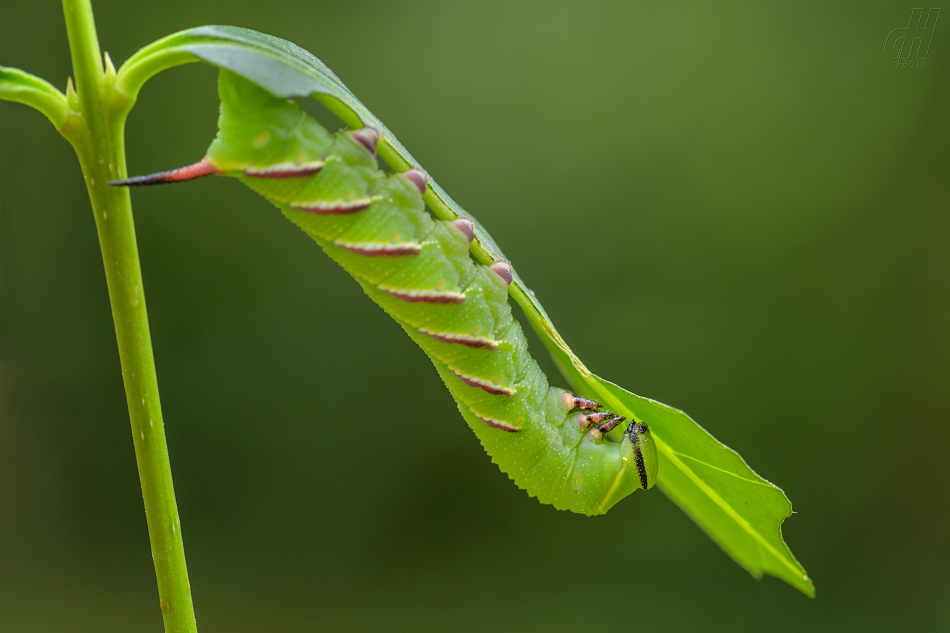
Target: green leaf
pixel 22 87
pixel 286 70
pixel 740 510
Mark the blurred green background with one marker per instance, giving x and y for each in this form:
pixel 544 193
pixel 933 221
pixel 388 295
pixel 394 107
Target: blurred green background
pixel 753 195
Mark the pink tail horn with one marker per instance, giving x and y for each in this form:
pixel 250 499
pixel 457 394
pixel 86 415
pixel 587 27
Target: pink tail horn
pixel 199 169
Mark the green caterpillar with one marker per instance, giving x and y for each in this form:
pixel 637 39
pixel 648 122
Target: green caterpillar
pixel 419 270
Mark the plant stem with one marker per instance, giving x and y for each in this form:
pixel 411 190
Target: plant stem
pixel 100 145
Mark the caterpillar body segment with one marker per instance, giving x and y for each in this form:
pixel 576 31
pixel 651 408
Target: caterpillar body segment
pixel 555 445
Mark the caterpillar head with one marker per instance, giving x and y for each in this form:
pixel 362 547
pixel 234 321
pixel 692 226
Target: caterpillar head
pixel 639 450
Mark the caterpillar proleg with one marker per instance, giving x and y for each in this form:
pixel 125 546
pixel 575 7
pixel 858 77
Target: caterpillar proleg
pixel 552 443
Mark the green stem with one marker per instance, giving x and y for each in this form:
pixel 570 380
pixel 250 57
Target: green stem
pixel 100 145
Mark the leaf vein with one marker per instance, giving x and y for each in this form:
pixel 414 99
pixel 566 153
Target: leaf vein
pixel 723 470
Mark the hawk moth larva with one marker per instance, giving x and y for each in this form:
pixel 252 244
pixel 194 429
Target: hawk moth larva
pixel 419 270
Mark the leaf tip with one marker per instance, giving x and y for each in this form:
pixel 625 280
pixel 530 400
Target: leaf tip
pixel 809 589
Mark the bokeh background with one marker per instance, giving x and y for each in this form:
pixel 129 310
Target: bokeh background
pixel 753 198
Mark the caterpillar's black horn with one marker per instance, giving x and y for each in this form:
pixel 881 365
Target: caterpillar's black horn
pixel 190 172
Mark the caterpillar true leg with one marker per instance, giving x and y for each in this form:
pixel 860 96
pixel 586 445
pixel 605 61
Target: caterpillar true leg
pixel 584 420
pixel 597 433
pixel 574 402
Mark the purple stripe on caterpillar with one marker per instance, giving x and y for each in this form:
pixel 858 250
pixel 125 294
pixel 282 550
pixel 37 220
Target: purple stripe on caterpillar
pixel 285 170
pixel 462 339
pixel 367 136
pixel 189 172
pixel 380 249
pixel 424 296
pixel 497 424
pixel 573 402
pixel 465 226
pixel 332 207
pixel 418 178
pixel 502 268
pixel 490 387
